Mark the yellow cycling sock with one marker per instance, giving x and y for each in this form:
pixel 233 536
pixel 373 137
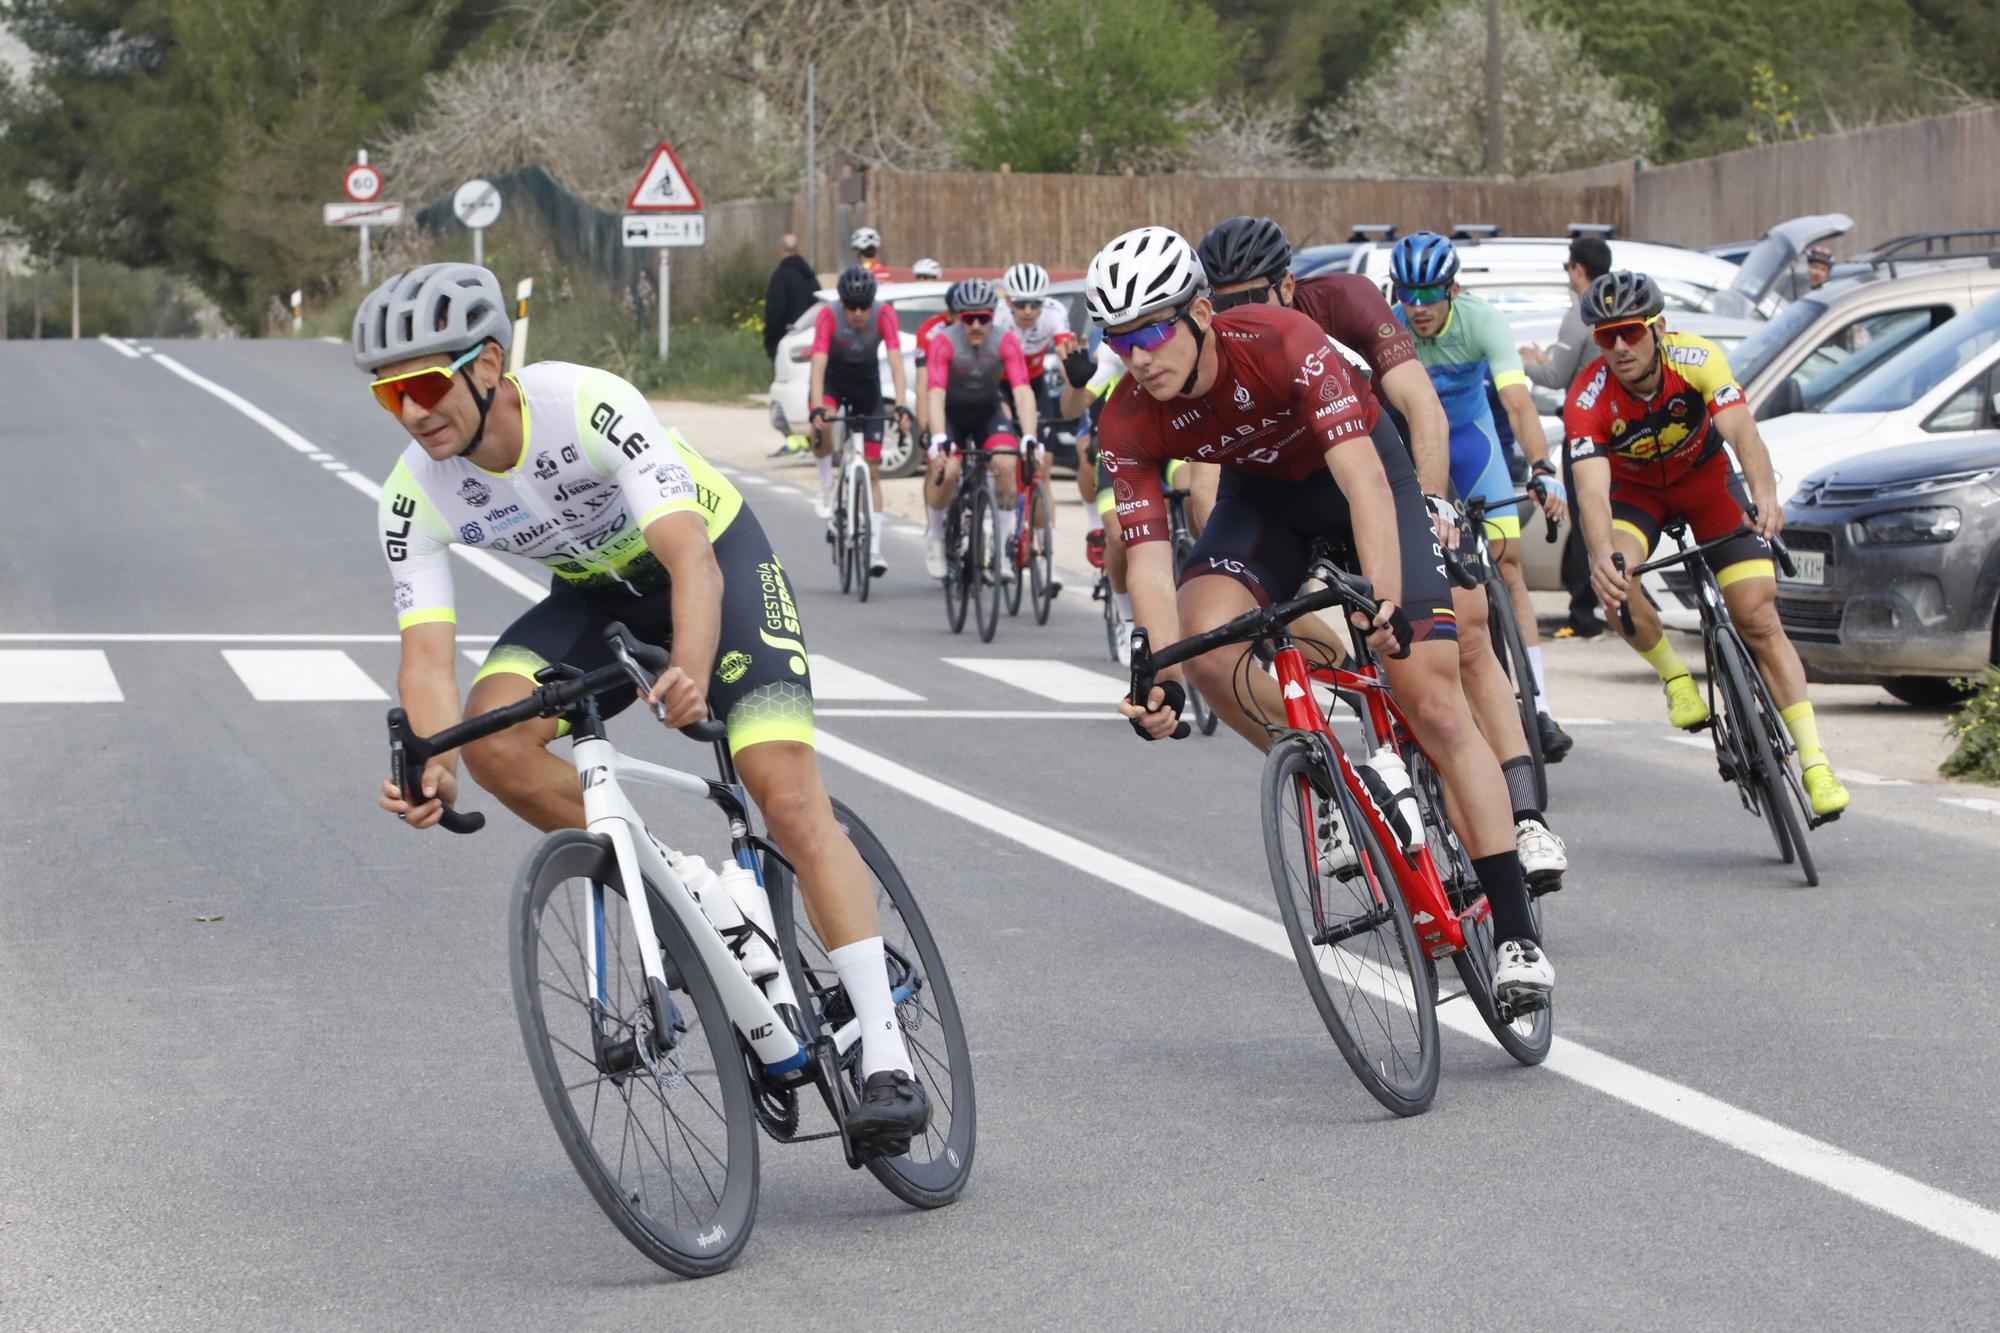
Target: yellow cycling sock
pixel 1663 659
pixel 1799 721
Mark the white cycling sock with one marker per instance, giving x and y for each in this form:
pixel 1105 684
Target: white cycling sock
pixel 933 524
pixel 825 471
pixel 864 972
pixel 875 535
pixel 1096 520
pixel 1541 681
pixel 1123 601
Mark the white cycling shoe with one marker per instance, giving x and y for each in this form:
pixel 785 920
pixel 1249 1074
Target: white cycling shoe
pixel 1125 642
pixel 1544 858
pixel 823 503
pixel 934 557
pixel 1337 855
pixel 1523 973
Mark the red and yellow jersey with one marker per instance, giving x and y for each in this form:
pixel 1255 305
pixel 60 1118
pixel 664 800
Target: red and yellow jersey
pixel 1656 440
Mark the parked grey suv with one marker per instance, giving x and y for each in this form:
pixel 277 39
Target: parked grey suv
pixel 1898 567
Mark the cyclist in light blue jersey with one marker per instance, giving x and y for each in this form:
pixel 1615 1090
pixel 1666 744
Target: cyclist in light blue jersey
pixel 1460 341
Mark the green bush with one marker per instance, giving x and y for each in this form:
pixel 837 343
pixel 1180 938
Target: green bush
pixel 1977 728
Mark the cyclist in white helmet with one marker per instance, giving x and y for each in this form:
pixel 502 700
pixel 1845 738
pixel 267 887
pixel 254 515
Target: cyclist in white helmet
pixel 927 270
pixel 865 242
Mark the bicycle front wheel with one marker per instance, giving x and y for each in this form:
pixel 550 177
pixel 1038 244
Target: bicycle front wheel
pixel 647 1091
pixel 958 573
pixel 1769 777
pixel 1110 600
pixel 862 544
pixel 1355 944
pixel 939 1162
pixel 1042 550
pixel 987 561
pixel 1512 651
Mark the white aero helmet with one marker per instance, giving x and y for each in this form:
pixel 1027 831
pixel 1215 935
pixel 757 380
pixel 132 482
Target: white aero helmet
pixel 1026 282
pixel 927 268
pixel 865 238
pixel 1144 272
pixel 438 309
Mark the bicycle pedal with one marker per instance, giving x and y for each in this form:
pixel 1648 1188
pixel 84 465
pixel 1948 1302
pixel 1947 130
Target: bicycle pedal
pixel 1546 886
pixel 1814 821
pixel 1521 1004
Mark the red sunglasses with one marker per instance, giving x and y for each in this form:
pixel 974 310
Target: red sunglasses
pixel 976 317
pixel 1629 331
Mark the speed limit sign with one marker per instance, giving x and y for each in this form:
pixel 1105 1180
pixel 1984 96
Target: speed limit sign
pixel 362 183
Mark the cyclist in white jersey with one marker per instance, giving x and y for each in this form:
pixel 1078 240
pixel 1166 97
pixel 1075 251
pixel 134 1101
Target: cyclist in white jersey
pixel 568 466
pixel 1037 320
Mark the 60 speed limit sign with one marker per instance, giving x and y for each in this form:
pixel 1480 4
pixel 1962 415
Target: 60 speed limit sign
pixel 362 183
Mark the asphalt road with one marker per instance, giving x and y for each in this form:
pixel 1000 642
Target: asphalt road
pixel 259 1065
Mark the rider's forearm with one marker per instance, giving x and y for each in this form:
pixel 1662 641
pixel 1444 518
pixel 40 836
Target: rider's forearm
pixel 1751 453
pixel 697 601
pixel 428 692
pixel 935 396
pixel 817 387
pixel 1149 578
pixel 1074 401
pixel 1409 389
pixel 1371 506
pixel 1024 410
pixel 1520 405
pixel 1593 501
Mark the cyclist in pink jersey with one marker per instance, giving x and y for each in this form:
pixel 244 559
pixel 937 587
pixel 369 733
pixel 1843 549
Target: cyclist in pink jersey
pixel 846 379
pixel 966 366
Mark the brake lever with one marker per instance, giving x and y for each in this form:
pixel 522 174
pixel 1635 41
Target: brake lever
pixel 1624 610
pixel 638 674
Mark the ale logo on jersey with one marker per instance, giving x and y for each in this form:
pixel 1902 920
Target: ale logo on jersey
pixel 475 492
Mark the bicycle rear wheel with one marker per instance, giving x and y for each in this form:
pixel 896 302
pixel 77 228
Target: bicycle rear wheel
pixel 987 560
pixel 1355 944
pixel 1042 550
pixel 862 544
pixel 939 1162
pixel 958 565
pixel 1013 567
pixel 658 1121
pixel 1513 654
pixel 1768 779
pixel 1526 1037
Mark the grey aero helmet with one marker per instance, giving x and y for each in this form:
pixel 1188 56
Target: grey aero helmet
pixel 437 309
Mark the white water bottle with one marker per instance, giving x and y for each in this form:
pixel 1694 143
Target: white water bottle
pixel 719 905
pixel 1401 808
pixel 754 905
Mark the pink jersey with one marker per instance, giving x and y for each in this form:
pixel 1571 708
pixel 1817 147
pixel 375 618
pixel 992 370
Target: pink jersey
pixel 848 349
pixel 969 374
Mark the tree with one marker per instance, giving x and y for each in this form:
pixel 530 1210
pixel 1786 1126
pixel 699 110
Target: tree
pixel 1421 110
pixel 1088 88
pixel 203 135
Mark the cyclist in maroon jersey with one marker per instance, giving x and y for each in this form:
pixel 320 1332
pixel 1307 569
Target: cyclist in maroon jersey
pixel 1248 261
pixel 1267 395
pixel 967 364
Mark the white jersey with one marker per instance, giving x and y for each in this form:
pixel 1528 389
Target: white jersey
pixel 596 467
pixel 1035 339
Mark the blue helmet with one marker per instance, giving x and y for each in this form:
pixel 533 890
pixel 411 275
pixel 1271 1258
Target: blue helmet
pixel 1423 259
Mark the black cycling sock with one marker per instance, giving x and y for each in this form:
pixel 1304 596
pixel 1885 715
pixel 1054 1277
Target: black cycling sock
pixel 1507 895
pixel 1520 774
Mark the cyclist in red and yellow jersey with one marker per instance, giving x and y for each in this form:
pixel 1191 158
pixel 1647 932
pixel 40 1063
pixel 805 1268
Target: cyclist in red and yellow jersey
pixel 1646 424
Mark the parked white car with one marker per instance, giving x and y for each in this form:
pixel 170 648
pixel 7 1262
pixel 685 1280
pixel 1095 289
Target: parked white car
pixel 791 378
pixel 1523 276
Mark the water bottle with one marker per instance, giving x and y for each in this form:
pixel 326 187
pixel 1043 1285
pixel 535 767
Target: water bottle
pixel 754 905
pixel 1393 794
pixel 720 906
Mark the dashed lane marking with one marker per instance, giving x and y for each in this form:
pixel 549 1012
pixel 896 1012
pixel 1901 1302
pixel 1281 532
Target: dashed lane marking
pixel 117 346
pixel 299 675
pixel 836 680
pixel 57 676
pixel 1063 682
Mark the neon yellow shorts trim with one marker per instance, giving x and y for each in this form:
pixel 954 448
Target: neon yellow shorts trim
pixel 1638 535
pixel 1503 527
pixel 1745 569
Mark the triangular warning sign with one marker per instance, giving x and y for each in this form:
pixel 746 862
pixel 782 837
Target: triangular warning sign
pixel 664 187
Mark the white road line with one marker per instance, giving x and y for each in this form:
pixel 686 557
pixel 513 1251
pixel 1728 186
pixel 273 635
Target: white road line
pixel 1862 777
pixel 1698 742
pixel 319 457
pixel 1900 1196
pixel 478 559
pixel 1588 722
pixel 224 638
pixel 57 676
pixel 117 346
pixel 968 714
pixel 837 680
pixel 1064 682
pixel 294 675
pixel 1978 803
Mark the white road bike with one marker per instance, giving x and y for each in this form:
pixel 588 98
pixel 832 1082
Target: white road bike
pixel 851 530
pixel 658 1041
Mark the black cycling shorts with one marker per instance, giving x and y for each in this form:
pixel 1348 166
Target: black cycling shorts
pixel 761 684
pixel 976 426
pixel 857 396
pixel 1263 529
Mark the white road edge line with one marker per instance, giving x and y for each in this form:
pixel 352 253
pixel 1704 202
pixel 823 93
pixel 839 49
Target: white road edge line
pixel 974 714
pixel 117 346
pixel 1891 1192
pixel 1900 1196
pixel 478 559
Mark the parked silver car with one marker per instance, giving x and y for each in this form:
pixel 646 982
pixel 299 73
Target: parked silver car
pixel 1898 567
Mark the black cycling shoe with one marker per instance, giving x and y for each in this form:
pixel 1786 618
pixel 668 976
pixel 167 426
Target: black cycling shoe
pixel 1555 741
pixel 893 1110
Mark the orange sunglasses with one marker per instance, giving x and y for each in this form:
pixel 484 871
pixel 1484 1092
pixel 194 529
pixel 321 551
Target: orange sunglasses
pixel 426 387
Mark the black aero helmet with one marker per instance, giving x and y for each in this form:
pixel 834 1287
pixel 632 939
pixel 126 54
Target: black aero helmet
pixel 1244 248
pixel 856 287
pixel 1619 295
pixel 971 294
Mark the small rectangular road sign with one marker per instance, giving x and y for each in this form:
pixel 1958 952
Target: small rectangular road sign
pixel 364 215
pixel 664 229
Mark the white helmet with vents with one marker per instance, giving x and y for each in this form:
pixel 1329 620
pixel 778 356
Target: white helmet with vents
pixel 1147 271
pixel 1026 282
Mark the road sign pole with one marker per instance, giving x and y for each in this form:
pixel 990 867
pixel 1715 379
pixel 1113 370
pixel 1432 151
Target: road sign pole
pixel 663 302
pixel 361 159
pixel 479 246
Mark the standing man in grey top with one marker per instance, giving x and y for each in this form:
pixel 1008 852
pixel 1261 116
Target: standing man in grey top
pixel 1556 368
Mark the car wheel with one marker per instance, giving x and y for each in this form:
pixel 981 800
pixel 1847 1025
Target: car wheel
pixel 1925 691
pixel 900 456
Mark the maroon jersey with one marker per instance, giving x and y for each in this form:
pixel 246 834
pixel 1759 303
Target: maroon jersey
pixel 1351 310
pixel 1283 396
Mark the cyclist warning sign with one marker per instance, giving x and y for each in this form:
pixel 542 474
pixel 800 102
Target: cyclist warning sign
pixel 664 187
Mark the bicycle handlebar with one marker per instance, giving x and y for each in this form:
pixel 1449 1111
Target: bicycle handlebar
pixel 1477 507
pixel 1345 589
pixel 409 752
pixel 1779 551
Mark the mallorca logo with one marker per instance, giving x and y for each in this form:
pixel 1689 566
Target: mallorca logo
pixel 732 667
pixel 1329 389
pixel 476 492
pixel 1242 398
pixel 472 534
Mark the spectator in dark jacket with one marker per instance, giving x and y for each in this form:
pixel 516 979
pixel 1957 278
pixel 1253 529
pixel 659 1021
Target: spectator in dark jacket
pixel 790 294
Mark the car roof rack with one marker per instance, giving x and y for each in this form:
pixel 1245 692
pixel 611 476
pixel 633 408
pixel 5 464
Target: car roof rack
pixel 1474 231
pixel 1969 243
pixel 1606 230
pixel 1372 231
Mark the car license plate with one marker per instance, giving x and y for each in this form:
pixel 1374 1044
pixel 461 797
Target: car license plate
pixel 1810 567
